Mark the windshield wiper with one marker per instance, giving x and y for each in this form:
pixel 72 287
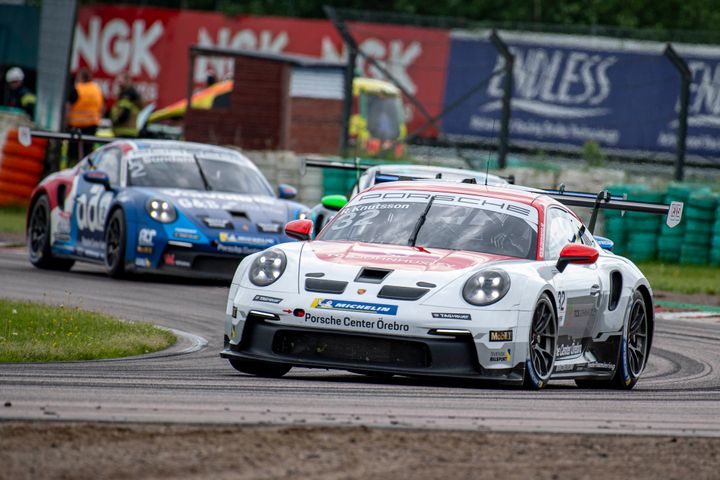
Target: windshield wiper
pixel 420 222
pixel 202 174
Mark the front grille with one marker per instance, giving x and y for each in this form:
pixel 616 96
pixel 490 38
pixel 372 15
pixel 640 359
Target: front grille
pixel 324 286
pixel 351 348
pixel 402 293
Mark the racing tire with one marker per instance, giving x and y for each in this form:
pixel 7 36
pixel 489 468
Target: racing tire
pixel 542 345
pixel 260 369
pixel 38 238
pixel 633 352
pixel 115 243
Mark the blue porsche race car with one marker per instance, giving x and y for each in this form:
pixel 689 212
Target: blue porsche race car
pixel 158 206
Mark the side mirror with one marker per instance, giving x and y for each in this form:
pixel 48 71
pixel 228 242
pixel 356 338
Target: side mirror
pixel 334 202
pixel 575 253
pixel 286 192
pixel 97 176
pixel 299 229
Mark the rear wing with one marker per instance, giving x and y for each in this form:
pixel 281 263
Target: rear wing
pixel 605 200
pixel 357 166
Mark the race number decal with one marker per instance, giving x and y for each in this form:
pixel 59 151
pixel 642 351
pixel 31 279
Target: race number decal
pixel 91 209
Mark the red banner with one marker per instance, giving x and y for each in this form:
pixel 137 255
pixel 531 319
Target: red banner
pixel 151 44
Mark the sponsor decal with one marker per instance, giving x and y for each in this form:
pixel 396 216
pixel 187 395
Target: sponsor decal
pixel 675 214
pixel 232 238
pixel 142 262
pixel 564 368
pixel 334 321
pixel 146 237
pixel 601 365
pixel 186 233
pixel 348 306
pixel 452 316
pixel 564 350
pixel 91 209
pixel 501 335
pixel 266 299
pixel 501 356
pixel 146 250
pixel 237 249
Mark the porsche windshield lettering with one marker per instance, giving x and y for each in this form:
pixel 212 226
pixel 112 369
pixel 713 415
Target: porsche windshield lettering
pixel 484 227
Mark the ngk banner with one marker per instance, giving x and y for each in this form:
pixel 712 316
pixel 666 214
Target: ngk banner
pixel 569 89
pixel 152 45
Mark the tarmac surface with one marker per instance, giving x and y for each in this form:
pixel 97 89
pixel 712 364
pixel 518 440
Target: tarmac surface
pixel 679 393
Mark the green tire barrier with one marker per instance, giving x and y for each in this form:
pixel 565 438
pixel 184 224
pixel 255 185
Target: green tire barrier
pixel 698 226
pixel 704 200
pixel 695 213
pixel 669 256
pixel 644 224
pixel 697 239
pixel 715 257
pixel 670 243
pixel 693 255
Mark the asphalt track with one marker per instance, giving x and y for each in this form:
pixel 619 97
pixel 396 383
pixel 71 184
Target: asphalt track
pixel 679 393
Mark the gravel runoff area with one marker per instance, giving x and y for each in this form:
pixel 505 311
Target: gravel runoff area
pixel 149 451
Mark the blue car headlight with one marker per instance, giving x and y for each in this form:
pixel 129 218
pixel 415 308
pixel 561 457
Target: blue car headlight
pixel 486 287
pixel 267 267
pixel 161 210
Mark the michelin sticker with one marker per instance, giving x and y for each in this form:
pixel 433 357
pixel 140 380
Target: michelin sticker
pixel 360 307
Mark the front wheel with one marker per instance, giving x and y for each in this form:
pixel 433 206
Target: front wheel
pixel 260 369
pixel 542 345
pixel 115 241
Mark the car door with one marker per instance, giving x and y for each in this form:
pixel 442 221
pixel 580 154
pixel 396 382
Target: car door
pixel 578 287
pixel 91 202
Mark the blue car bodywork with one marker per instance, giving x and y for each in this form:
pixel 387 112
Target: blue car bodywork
pixel 178 228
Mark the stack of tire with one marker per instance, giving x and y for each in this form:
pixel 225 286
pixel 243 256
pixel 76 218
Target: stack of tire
pixel 671 239
pixel 699 216
pixel 20 168
pixel 635 234
pixel 715 245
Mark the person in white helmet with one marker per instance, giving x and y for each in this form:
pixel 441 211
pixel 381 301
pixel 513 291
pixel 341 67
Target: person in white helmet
pixel 18 95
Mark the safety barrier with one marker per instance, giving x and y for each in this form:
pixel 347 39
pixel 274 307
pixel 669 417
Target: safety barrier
pixel 20 168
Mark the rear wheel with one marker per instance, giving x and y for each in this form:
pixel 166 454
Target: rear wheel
pixel 260 369
pixel 38 238
pixel 542 345
pixel 115 241
pixel 633 353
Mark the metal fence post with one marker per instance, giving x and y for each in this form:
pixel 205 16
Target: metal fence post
pixel 686 77
pixel 504 51
pixel 348 101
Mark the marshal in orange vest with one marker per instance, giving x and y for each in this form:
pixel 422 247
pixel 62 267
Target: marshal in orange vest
pixel 86 111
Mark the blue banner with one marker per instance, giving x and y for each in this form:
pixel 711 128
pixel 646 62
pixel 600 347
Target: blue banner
pixel 568 90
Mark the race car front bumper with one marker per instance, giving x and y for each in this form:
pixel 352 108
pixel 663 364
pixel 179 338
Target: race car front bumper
pixel 420 345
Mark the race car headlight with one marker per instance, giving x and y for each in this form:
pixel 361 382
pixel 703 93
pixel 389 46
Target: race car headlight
pixel 267 267
pixel 161 210
pixel 486 287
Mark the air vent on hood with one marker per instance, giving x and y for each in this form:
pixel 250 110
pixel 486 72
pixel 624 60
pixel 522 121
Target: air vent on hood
pixel 324 286
pixel 402 293
pixel 372 275
pixel 238 215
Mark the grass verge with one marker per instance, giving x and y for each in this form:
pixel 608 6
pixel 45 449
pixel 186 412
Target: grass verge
pixel 682 278
pixel 35 332
pixel 12 220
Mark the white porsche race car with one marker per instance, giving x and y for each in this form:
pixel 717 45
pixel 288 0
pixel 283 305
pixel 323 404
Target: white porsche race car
pixel 449 280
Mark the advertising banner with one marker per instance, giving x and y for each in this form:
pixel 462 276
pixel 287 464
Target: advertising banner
pixel 152 45
pixel 569 89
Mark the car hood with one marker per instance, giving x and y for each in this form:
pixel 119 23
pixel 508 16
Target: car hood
pixel 252 208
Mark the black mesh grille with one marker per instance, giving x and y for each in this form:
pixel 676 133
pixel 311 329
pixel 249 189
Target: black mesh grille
pixel 222 266
pixel 351 348
pixel 402 293
pixel 324 286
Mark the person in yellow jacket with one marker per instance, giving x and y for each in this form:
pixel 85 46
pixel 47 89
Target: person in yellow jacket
pixel 18 95
pixel 124 113
pixel 85 110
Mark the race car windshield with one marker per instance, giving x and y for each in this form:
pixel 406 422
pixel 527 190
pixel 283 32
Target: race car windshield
pixel 450 227
pixel 187 172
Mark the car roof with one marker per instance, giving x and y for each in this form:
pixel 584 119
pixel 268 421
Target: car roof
pixel 501 192
pixel 190 147
pixel 405 169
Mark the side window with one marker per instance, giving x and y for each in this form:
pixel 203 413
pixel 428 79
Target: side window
pixel 585 238
pixel 109 162
pixel 562 229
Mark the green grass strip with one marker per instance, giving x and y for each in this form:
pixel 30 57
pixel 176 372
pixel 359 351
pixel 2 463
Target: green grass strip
pixel 12 219
pixel 682 278
pixel 35 332
pixel 687 306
